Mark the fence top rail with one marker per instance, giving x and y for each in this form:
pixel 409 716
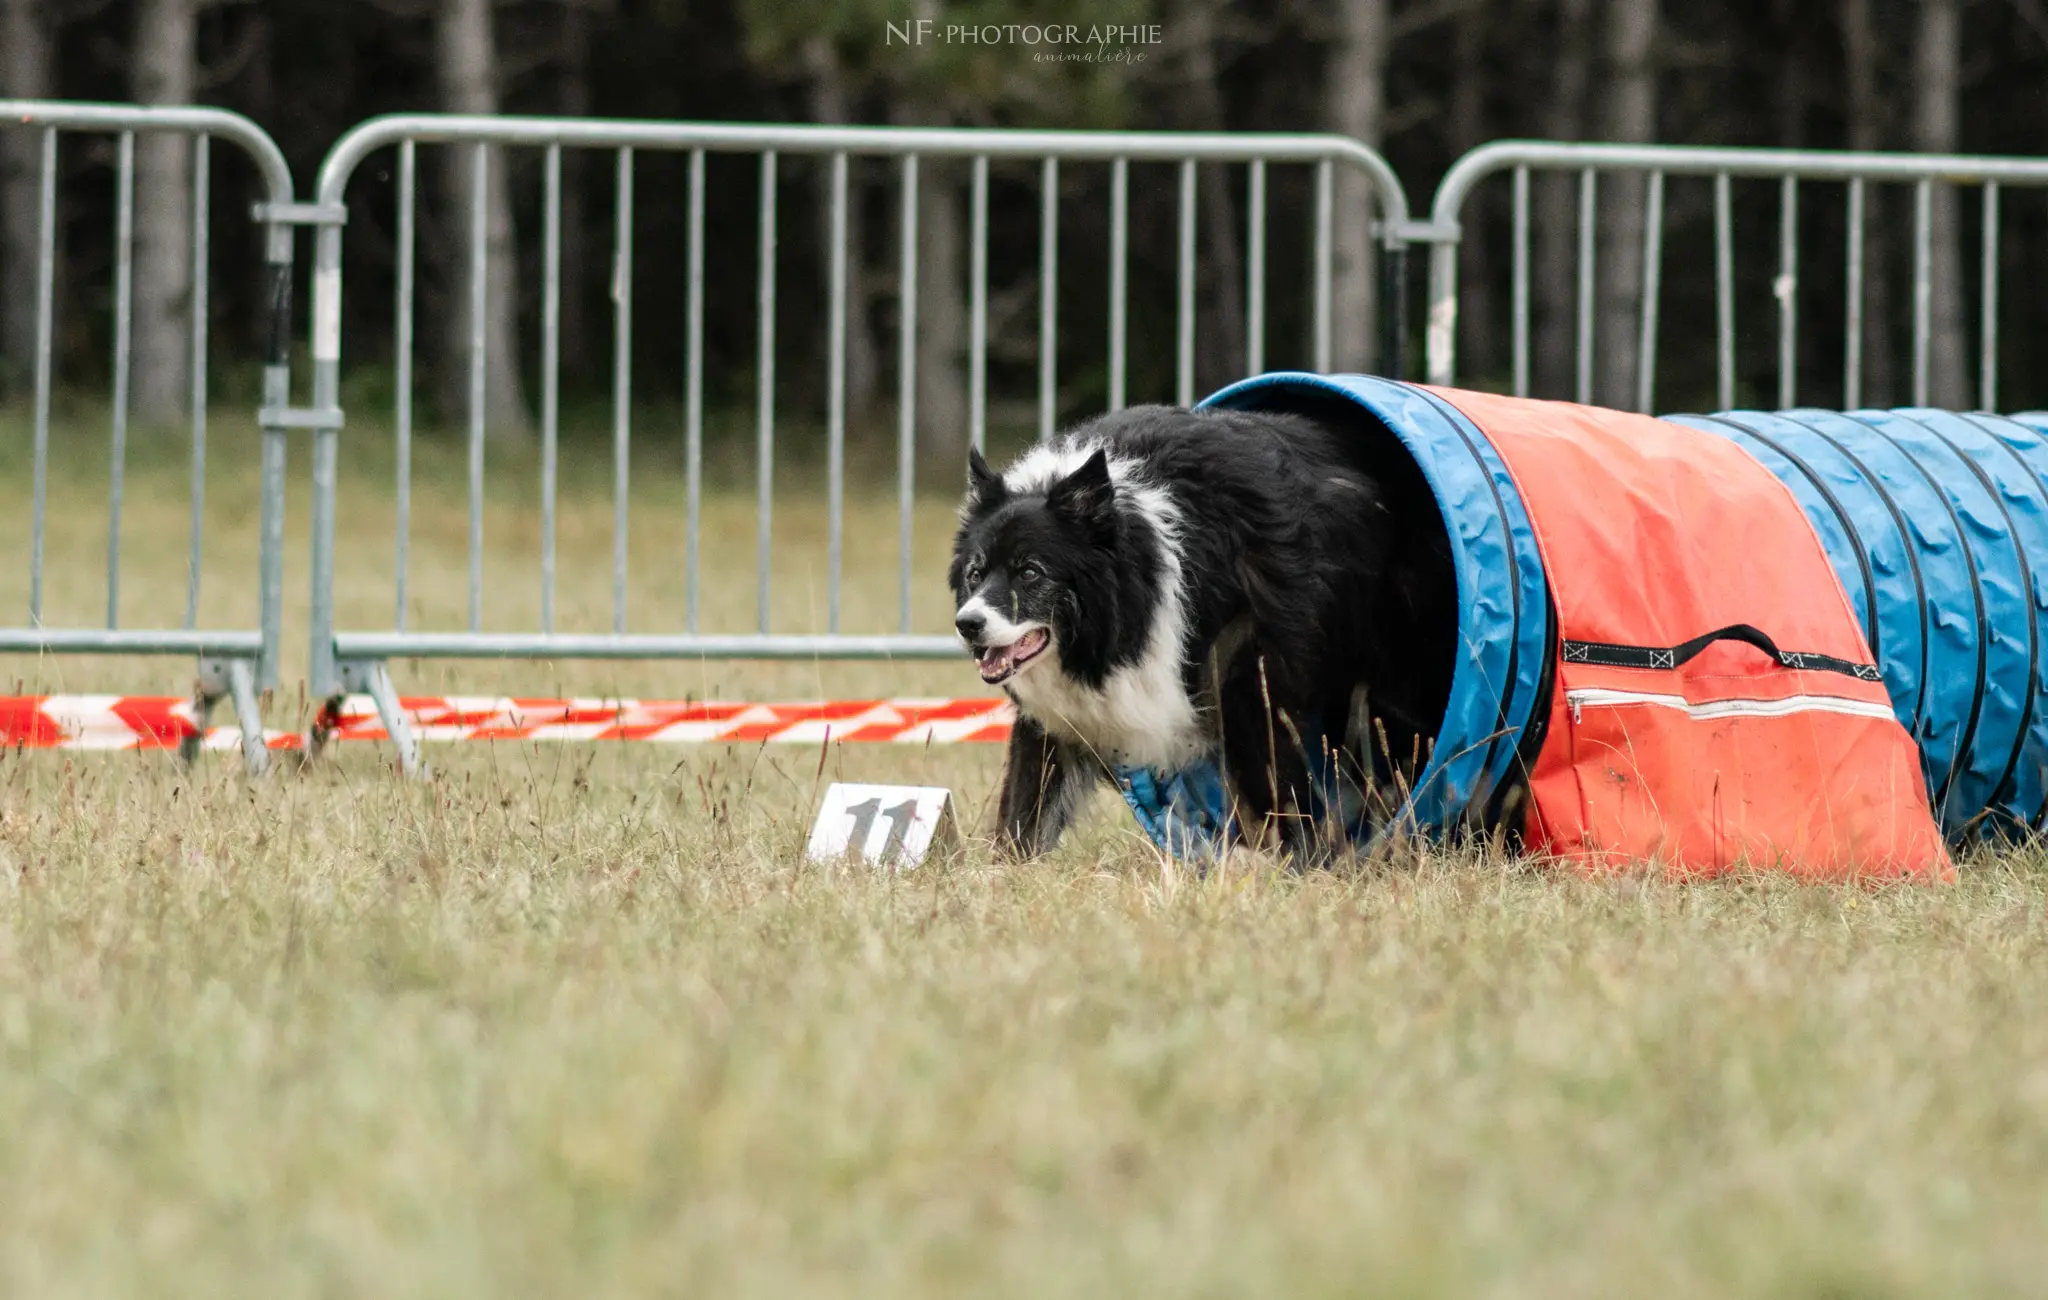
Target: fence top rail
pixel 963 142
pixel 180 120
pixel 645 645
pixel 1704 160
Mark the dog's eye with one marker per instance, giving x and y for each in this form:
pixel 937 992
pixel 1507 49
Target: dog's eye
pixel 973 575
pixel 1027 573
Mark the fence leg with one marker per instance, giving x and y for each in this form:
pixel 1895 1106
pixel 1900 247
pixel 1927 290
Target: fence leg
pixel 204 693
pixel 248 716
pixel 235 681
pixel 372 678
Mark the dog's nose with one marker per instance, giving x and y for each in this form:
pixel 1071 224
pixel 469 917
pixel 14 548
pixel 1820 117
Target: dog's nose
pixel 970 625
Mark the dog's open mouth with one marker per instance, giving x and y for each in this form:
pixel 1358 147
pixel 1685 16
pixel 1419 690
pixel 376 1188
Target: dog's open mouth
pixel 999 663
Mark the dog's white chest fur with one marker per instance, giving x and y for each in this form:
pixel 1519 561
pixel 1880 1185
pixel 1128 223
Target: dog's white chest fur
pixel 1140 716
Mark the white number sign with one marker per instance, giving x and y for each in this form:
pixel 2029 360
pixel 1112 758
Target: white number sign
pixel 893 824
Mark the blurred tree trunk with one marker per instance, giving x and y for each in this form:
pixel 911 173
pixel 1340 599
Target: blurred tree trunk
pixel 1478 295
pixel 1794 62
pixel 1794 68
pixel 1556 237
pixel 1355 97
pixel 1219 333
pixel 573 100
pixel 1220 338
pixel 1631 115
pixel 166 37
pixel 1866 111
pixel 941 327
pixel 257 82
pixel 831 105
pixel 1937 95
pixel 27 57
pixel 466 63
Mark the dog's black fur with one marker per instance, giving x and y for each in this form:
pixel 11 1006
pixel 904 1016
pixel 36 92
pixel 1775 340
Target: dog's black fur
pixel 1315 591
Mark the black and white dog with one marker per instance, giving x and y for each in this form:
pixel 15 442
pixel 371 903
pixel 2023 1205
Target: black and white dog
pixel 1161 585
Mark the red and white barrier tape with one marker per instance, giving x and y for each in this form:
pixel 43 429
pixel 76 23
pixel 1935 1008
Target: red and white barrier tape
pixel 163 722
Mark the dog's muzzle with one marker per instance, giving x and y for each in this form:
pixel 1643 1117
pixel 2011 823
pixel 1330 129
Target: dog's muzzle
pixel 999 663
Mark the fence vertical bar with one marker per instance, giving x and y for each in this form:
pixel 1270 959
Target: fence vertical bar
pixel 550 373
pixel 1787 291
pixel 1923 286
pixel 1852 307
pixel 46 265
pixel 202 215
pixel 1724 291
pixel 1184 314
pixel 1520 261
pixel 1987 305
pixel 402 346
pixel 622 382
pixel 1322 269
pixel 1440 345
pixel 693 392
pixel 124 342
pixel 277 390
pixel 1588 192
pixel 764 392
pixel 977 314
pixel 1119 216
pixel 906 362
pixel 1255 268
pixel 479 240
pixel 1653 287
pixel 835 397
pixel 326 329
pixel 1048 297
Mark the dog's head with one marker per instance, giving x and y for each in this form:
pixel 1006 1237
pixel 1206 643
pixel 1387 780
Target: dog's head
pixel 1031 568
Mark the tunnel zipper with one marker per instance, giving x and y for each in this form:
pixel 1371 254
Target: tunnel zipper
pixel 1600 697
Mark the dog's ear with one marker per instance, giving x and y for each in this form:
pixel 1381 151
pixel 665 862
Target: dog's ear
pixel 983 484
pixel 1086 496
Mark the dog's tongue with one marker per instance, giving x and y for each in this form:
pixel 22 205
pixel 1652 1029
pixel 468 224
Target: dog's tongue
pixel 998 662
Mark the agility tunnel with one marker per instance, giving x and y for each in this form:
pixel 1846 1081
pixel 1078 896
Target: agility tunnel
pixel 1883 582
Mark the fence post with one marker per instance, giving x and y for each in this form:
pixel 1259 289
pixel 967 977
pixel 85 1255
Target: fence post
pixel 278 417
pixel 323 681
pixel 1442 327
pixel 1394 308
pixel 277 393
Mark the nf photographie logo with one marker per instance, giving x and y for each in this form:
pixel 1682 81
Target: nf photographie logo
pixel 1048 42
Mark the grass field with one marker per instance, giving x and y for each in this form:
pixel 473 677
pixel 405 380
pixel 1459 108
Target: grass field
pixel 578 1021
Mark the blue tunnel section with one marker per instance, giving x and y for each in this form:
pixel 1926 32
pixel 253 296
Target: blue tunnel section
pixel 1504 620
pixel 1935 522
pixel 1937 525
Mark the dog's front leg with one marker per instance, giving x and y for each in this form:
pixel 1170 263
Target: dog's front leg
pixel 1043 781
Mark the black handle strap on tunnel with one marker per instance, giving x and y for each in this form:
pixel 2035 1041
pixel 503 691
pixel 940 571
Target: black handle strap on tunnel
pixel 1641 656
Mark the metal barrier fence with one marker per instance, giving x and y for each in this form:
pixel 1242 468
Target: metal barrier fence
pixel 236 663
pixel 356 660
pixel 233 663
pixel 1588 162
